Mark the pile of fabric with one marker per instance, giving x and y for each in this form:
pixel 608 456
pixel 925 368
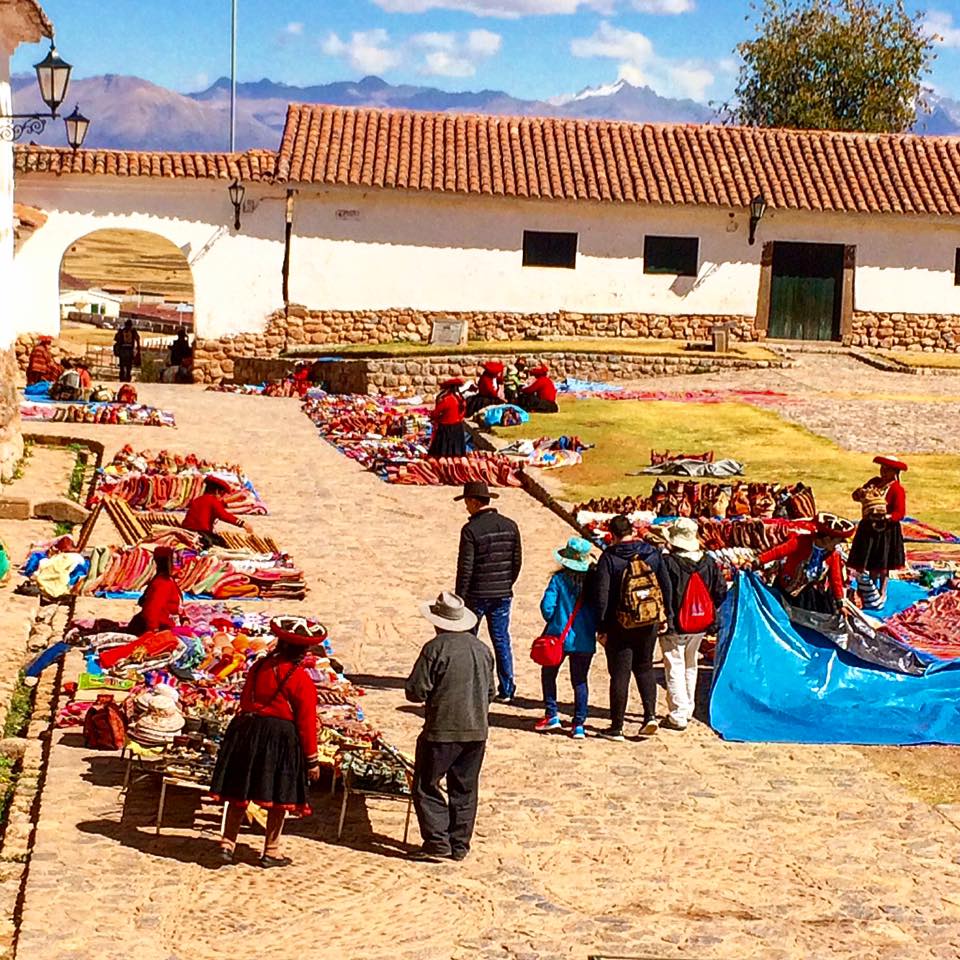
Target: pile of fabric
pixel 244 389
pixel 547 453
pixel 127 414
pixel 391 437
pixel 932 626
pixel 165 481
pixel 690 499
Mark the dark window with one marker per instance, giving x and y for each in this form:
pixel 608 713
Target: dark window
pixel 673 255
pixel 543 248
pixel 956 269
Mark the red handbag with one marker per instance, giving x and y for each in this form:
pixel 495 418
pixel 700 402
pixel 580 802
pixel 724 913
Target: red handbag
pixel 547 650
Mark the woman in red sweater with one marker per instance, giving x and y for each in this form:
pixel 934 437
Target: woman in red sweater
pixel 541 395
pixel 488 388
pixel 448 438
pixel 269 752
pixel 160 603
pixel 204 511
pixel 877 547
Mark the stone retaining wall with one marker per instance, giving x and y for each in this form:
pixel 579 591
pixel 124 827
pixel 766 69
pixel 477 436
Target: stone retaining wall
pixel 926 332
pixel 298 327
pixel 408 375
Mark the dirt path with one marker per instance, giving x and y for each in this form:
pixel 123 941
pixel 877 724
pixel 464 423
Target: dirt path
pixel 679 847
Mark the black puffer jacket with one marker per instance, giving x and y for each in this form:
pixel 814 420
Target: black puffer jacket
pixel 490 557
pixel 608 579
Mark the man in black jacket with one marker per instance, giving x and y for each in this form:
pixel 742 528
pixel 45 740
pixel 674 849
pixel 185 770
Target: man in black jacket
pixel 629 650
pixel 488 565
pixel 453 676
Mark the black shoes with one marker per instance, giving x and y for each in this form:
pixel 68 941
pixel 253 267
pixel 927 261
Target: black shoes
pixel 268 862
pixel 426 855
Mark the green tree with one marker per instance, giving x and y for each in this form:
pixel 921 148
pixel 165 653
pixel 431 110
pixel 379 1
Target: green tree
pixel 833 65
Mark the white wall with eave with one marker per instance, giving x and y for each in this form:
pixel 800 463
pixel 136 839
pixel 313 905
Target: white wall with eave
pixel 236 277
pixel 8 286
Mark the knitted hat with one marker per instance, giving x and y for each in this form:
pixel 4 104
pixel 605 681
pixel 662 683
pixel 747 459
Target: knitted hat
pixel 493 366
pixel 540 370
pixel 830 525
pixel 300 631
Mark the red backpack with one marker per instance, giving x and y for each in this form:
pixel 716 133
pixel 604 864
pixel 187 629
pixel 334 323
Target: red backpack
pixel 127 394
pixel 103 726
pixel 697 612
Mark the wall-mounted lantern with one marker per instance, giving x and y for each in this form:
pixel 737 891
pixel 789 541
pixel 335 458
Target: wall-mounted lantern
pixel 236 191
pixel 758 207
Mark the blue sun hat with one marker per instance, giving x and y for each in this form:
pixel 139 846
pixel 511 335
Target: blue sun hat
pixel 574 555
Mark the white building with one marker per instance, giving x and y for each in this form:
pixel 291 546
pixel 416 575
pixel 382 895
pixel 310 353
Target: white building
pixel 372 222
pixel 92 302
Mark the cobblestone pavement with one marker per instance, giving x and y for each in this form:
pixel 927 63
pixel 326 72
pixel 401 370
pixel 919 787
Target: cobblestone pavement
pixel 680 847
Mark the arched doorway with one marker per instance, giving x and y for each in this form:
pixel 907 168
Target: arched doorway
pixel 113 275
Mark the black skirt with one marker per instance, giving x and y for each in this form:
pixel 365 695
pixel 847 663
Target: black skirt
pixel 261 761
pixel 877 547
pixel 477 402
pixel 448 440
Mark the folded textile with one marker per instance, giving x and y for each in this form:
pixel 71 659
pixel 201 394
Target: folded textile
pixel 692 468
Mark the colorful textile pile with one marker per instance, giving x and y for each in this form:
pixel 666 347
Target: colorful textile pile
pixel 391 438
pixel 165 481
pixel 244 389
pixel 932 626
pixel 915 531
pixel 548 453
pixel 272 388
pixel 678 498
pixel 668 456
pixel 127 414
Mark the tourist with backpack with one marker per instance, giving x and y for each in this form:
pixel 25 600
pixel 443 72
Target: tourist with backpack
pixel 570 633
pixel 698 588
pixel 631 595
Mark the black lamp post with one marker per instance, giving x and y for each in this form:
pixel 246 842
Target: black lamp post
pixel 53 78
pixel 236 191
pixel 758 207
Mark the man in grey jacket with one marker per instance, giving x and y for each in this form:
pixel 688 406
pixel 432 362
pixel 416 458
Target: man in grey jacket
pixel 453 678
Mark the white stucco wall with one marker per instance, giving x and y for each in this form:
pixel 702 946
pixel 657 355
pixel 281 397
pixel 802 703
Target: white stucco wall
pixel 8 288
pixel 237 281
pixel 433 252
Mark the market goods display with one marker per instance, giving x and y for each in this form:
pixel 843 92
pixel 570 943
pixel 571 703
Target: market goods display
pixel 166 481
pixel 931 626
pixel 127 414
pixel 391 437
pixel 547 453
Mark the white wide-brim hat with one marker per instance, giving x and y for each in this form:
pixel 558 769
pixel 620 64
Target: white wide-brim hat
pixel 683 535
pixel 449 612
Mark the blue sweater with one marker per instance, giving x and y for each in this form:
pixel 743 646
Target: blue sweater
pixel 557 605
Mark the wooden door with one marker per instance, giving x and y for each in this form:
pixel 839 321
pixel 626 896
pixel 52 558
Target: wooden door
pixel 806 291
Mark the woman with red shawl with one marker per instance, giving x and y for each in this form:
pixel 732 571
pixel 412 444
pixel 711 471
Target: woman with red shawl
pixel 448 438
pixel 488 388
pixel 41 365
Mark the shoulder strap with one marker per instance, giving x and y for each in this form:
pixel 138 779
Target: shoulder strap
pixel 573 616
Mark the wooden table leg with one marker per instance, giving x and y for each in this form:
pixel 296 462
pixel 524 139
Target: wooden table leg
pixel 343 808
pixel 406 826
pixel 163 798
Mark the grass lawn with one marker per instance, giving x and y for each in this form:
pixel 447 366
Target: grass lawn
pixel 626 345
pixel 914 358
pixel 81 334
pixel 625 431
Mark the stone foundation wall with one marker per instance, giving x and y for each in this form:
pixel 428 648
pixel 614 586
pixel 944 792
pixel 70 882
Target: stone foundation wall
pixel 927 332
pixel 26 342
pixel 11 441
pixel 410 375
pixel 299 327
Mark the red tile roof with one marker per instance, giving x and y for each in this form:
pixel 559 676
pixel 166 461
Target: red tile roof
pixel 252 165
pixel 35 17
pixel 542 157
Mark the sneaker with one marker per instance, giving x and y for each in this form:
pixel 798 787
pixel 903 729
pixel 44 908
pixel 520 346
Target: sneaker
pixel 649 727
pixel 668 723
pixel 547 723
pixel 578 733
pixel 503 698
pixel 613 733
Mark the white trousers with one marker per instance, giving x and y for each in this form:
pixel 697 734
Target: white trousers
pixel 680 667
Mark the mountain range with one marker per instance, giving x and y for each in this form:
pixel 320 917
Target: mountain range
pixel 134 114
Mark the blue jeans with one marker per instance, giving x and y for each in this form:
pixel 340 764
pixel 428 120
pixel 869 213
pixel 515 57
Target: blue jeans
pixel 579 669
pixel 497 612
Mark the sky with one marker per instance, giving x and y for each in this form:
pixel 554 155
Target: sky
pixel 534 49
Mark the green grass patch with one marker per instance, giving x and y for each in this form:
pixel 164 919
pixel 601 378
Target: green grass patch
pixel 625 345
pixel 625 431
pixel 79 472
pixel 918 359
pixel 63 528
pixel 21 706
pixel 9 774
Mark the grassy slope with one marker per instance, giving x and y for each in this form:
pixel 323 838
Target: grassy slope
pixel 773 450
pixel 915 358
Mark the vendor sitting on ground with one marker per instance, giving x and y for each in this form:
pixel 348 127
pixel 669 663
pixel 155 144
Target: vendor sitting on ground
pixel 204 511
pixel 69 385
pixel 41 366
pixel 811 574
pixel 448 438
pixel 161 602
pixel 488 388
pixel 514 379
pixel 541 395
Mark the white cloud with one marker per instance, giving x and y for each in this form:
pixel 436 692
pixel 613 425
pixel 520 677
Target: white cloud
pixel 294 28
pixel 664 6
pixel 367 51
pixel 505 8
pixel 433 53
pixel 940 25
pixel 640 65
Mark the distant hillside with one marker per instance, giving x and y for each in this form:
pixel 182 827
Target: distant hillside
pixel 134 114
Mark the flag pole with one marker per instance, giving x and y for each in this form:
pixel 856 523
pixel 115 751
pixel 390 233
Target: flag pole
pixel 233 78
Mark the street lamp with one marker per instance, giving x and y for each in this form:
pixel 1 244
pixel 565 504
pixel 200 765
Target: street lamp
pixel 236 191
pixel 53 78
pixel 758 207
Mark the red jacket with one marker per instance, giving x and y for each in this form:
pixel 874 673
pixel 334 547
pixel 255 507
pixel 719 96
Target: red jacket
pixel 488 386
pixel 794 553
pixel 160 603
pixel 544 388
pixel 204 511
pixel 896 501
pixel 451 408
pixel 297 701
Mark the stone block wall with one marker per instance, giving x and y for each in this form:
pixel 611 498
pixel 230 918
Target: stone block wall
pixel 26 342
pixel 11 442
pixel 927 332
pixel 299 327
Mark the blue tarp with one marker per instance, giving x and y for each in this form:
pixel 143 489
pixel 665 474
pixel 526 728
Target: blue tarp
pixel 775 682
